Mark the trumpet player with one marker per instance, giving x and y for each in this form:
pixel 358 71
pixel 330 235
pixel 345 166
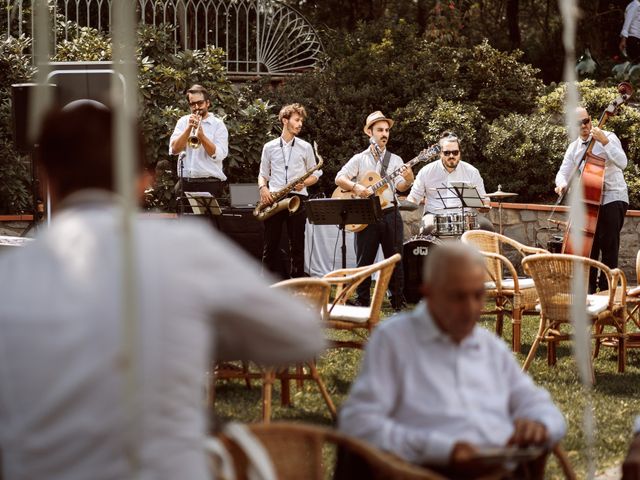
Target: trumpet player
pixel 285 159
pixel 203 138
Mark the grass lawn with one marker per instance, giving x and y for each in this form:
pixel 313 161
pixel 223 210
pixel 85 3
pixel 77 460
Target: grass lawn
pixel 615 396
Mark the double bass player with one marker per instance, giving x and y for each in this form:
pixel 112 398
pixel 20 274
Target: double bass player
pixel 615 199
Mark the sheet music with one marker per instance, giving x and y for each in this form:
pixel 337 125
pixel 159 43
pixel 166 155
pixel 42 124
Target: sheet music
pixel 203 203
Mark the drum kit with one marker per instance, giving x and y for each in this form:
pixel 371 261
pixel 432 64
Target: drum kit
pixel 436 229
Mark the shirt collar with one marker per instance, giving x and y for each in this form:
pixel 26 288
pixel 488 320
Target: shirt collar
pixel 289 143
pixel 428 332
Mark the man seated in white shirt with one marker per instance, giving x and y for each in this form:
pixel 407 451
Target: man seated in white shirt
pixel 85 394
pixel 440 174
pixel 435 388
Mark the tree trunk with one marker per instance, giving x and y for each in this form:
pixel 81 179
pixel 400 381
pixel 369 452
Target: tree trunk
pixel 513 7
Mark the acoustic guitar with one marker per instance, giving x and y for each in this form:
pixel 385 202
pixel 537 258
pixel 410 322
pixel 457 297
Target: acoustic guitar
pixel 380 184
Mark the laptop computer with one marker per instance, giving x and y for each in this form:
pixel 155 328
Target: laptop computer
pixel 244 195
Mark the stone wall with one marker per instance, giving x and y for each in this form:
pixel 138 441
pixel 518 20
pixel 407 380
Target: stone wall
pixel 528 224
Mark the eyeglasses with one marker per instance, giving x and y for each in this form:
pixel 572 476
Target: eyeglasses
pixel 198 103
pixel 584 121
pixel 446 153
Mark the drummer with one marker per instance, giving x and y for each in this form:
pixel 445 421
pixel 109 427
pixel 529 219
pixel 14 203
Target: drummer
pixel 435 175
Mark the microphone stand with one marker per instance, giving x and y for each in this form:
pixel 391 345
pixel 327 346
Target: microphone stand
pixel 181 176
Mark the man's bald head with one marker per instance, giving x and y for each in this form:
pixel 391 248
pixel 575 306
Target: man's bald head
pixel 453 285
pixel 450 258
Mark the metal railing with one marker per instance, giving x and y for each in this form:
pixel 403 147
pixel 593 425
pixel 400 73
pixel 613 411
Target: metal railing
pixel 259 37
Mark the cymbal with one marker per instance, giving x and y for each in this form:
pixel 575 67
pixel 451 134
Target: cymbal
pixel 407 206
pixel 501 194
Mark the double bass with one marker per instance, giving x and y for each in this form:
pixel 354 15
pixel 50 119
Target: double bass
pixel 592 179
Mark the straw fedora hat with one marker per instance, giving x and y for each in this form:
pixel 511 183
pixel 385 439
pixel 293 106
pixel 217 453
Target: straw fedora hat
pixel 375 117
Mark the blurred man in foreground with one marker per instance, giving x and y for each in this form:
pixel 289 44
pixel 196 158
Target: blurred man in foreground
pixel 435 388
pixel 66 409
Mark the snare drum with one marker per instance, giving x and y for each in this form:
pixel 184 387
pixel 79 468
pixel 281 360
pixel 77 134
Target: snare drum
pixel 455 224
pixel 414 254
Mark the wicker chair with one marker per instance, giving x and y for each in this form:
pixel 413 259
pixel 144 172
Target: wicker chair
pixel 512 295
pixel 315 292
pixel 359 320
pixel 300 451
pixel 553 274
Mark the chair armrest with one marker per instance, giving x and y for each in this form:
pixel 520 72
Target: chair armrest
pixel 522 248
pixel 505 261
pixel 619 280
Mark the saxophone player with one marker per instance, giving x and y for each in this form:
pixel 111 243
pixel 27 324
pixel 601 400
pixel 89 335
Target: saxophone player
pixel 283 160
pixel 203 138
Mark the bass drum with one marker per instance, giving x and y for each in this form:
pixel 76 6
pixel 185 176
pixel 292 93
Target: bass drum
pixel 414 255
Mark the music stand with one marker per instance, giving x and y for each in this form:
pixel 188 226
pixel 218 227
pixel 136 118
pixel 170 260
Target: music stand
pixel 203 203
pixel 341 212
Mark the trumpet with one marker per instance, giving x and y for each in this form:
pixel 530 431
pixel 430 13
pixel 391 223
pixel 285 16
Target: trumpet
pixel 193 141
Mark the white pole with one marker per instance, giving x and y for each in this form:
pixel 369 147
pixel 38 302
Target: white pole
pixel 125 104
pixel 577 214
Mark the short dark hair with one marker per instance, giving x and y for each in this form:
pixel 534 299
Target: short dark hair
pixel 75 148
pixel 198 89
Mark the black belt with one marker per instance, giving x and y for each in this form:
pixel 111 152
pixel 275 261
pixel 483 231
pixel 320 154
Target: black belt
pixel 201 179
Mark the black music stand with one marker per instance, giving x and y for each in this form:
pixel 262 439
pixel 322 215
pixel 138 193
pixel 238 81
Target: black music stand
pixel 341 212
pixel 203 203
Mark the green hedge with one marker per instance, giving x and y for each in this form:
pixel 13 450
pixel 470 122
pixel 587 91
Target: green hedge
pixel 511 128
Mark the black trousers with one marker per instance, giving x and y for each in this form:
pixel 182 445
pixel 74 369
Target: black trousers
pixel 633 49
pixel 388 233
pixel 271 255
pixel 606 241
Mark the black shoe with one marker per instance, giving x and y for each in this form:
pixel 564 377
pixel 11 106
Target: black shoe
pixel 398 304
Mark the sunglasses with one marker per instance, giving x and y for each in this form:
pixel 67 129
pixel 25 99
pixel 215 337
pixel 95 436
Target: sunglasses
pixel 198 104
pixel 446 153
pixel 584 121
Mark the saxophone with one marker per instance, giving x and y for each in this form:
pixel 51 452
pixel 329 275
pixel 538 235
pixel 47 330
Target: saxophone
pixel 280 202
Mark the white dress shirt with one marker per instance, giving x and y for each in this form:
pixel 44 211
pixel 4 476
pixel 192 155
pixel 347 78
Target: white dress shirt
pixel 418 393
pixel 62 382
pixel 435 175
pixel 364 162
pixel 631 26
pixel 282 162
pixel 615 186
pixel 197 163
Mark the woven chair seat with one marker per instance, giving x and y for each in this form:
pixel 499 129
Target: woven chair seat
pixel 596 304
pixel 349 313
pixel 509 284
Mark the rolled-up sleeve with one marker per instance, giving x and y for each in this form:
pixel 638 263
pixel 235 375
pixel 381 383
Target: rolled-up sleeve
pixel 181 124
pixel 614 151
pixel 350 169
pixel 310 162
pixel 265 164
pixel 367 412
pixel 418 190
pixel 629 14
pixel 568 164
pixel 221 141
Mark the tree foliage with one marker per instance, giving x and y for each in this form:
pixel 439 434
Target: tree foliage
pixel 15 178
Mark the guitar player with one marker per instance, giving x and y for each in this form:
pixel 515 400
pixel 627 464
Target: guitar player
pixel 387 232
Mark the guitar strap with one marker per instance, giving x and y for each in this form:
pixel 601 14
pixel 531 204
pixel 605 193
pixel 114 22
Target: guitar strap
pixel 385 162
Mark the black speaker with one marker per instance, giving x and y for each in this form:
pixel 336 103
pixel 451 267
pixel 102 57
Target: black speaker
pixel 241 226
pixel 21 95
